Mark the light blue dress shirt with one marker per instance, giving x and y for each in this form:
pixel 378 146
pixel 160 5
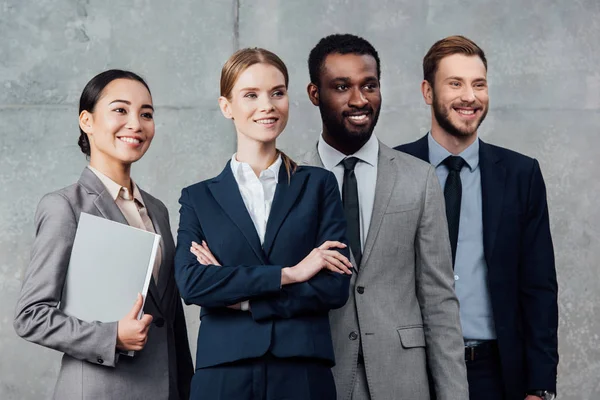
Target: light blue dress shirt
pixel 470 268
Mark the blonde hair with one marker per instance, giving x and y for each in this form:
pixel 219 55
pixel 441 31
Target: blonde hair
pixel 238 63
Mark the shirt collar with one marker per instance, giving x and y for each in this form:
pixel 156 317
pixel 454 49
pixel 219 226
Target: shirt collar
pixel 114 189
pixel 437 153
pixel 331 157
pixel 240 169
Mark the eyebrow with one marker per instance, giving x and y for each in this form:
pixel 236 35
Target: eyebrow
pixel 458 78
pixel 348 79
pixel 250 89
pixel 129 103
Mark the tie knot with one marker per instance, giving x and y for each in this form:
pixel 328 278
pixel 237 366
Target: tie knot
pixel 349 163
pixel 454 163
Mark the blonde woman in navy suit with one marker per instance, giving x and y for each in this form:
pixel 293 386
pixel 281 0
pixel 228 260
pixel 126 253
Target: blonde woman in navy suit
pixel 268 257
pixel 116 128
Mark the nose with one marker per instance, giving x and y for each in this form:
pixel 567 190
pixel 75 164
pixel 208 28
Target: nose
pixel 266 105
pixel 357 98
pixel 468 95
pixel 133 122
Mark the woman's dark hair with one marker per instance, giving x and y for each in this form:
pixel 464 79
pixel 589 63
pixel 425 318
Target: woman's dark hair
pixel 92 93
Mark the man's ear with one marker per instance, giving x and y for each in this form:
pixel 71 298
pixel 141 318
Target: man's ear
pixel 225 107
pixel 313 93
pixel 85 121
pixel 427 91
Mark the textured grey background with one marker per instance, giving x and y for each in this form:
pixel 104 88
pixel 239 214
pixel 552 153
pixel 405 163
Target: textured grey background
pixel 545 102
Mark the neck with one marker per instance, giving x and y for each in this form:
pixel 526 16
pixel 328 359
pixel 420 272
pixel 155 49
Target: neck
pixel 453 144
pixel 118 172
pixel 343 143
pixel 258 155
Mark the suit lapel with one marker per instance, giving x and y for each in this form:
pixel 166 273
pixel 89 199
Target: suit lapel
pixel 384 187
pixel 225 190
pixel 161 228
pixel 285 197
pixel 493 179
pixel 103 202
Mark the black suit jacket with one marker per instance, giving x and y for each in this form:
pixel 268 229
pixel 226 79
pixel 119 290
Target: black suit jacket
pixel 520 259
pixel 288 321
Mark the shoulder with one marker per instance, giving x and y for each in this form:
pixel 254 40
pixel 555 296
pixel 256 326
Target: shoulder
pixel 510 159
pixel 60 208
pixel 154 200
pixel 316 176
pixel 405 163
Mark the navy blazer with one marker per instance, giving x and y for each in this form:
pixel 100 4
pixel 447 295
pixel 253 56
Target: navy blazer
pixel 520 259
pixel 288 321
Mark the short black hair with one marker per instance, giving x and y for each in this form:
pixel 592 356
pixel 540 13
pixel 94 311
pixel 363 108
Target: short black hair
pixel 338 44
pixel 92 92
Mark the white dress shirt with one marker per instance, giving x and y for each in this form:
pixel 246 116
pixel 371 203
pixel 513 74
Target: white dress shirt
pixel 366 176
pixel 258 193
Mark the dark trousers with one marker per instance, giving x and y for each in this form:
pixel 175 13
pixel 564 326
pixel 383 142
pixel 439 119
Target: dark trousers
pixel 265 378
pixel 485 377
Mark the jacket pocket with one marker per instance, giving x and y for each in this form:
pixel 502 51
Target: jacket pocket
pixel 411 337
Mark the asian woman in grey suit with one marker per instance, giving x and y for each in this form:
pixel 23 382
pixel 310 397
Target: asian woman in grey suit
pixel 116 128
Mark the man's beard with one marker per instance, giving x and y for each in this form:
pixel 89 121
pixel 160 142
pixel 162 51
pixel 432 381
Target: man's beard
pixel 442 116
pixel 334 123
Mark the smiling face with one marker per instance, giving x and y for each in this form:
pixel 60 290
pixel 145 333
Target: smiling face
pixel 258 103
pixel 121 126
pixel 348 97
pixel 459 96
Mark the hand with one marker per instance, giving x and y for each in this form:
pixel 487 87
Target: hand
pixel 203 254
pixel 532 397
pixel 132 333
pixel 318 259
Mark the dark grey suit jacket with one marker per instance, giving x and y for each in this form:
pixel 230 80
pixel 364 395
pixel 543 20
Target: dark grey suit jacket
pixel 402 300
pixel 90 368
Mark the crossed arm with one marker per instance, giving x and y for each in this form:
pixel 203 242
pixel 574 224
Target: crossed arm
pixel 274 291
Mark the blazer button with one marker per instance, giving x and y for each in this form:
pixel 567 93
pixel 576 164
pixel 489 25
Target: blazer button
pixel 360 289
pixel 353 336
pixel 100 361
pixel 159 322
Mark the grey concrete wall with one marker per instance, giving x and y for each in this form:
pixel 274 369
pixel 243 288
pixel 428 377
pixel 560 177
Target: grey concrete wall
pixel 545 102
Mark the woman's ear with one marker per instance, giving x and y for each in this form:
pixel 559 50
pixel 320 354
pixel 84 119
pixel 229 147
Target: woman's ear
pixel 225 107
pixel 86 120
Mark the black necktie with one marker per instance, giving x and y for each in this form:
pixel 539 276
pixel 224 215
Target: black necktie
pixel 350 200
pixel 453 196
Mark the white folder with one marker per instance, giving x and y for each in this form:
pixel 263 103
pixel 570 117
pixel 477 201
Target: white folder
pixel 110 264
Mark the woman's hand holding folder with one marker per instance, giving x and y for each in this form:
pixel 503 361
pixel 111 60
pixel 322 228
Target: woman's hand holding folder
pixel 132 333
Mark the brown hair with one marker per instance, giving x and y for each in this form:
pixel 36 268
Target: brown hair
pixel 238 63
pixel 446 47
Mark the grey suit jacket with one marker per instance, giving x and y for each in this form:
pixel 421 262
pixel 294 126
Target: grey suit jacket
pixel 90 367
pixel 402 302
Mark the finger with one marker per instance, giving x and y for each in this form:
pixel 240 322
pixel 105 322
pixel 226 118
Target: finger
pixel 195 245
pixel 332 267
pixel 137 307
pixel 339 266
pixel 332 244
pixel 209 253
pixel 146 320
pixel 339 256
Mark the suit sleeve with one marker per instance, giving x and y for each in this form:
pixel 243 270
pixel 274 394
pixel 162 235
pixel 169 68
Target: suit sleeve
pixel 325 291
pixel 437 299
pixel 539 290
pixel 37 318
pixel 213 285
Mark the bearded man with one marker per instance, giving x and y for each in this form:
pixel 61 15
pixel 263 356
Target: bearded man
pixel 499 229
